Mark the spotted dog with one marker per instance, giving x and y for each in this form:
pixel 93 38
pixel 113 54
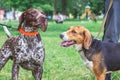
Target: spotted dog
pixel 26 50
pixel 100 57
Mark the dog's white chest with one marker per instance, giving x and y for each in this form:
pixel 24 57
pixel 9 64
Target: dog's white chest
pixel 86 62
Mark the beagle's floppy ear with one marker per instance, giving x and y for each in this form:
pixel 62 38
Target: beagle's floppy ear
pixel 87 39
pixel 21 20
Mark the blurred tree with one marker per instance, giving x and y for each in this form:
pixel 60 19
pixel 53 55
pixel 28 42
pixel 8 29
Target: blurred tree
pixel 75 7
pixel 1 4
pixel 57 6
pixel 22 5
pixel 97 6
pixel 64 6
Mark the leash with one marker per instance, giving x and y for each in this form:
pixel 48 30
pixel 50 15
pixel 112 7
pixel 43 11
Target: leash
pixel 104 20
pixel 6 25
pixel 21 30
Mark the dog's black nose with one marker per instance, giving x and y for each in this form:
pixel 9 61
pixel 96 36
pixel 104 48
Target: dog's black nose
pixel 61 36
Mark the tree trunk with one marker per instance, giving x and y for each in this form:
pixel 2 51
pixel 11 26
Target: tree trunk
pixel 1 4
pixel 64 5
pixel 55 6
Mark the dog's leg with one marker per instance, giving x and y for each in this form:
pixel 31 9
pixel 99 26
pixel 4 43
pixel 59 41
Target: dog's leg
pixel 5 54
pixel 108 76
pixel 37 73
pixel 15 71
pixel 100 77
pixel 99 72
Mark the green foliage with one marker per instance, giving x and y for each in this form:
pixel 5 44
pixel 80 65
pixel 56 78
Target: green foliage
pixel 25 4
pixel 72 6
pixel 97 6
pixel 45 7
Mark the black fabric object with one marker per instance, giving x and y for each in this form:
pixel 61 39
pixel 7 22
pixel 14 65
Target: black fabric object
pixel 112 25
pixel 108 76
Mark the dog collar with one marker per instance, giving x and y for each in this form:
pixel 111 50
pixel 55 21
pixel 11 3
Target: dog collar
pixel 21 30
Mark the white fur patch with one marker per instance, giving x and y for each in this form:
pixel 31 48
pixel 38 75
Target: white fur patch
pixel 39 14
pixel 86 62
pixel 6 31
pixel 65 37
pixel 78 47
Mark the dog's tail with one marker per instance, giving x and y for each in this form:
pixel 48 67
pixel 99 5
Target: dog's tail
pixel 7 31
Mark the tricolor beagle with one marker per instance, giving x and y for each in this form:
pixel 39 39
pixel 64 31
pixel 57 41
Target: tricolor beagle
pixel 98 56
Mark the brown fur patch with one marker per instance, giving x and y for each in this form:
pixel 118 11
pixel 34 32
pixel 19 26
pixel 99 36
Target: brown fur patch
pixel 99 68
pixel 80 35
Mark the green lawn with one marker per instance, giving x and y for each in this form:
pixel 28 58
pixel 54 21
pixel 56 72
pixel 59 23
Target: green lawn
pixel 60 63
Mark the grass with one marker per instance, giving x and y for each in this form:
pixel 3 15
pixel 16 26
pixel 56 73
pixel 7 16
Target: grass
pixel 60 63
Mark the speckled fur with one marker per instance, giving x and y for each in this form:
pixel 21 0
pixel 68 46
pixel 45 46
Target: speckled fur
pixel 25 51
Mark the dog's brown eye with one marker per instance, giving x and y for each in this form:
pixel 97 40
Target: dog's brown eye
pixel 81 33
pixel 73 32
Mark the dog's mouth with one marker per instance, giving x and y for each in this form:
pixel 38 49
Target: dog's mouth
pixel 67 43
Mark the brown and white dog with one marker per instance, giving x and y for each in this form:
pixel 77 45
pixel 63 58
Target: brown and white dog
pixel 26 50
pixel 100 57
